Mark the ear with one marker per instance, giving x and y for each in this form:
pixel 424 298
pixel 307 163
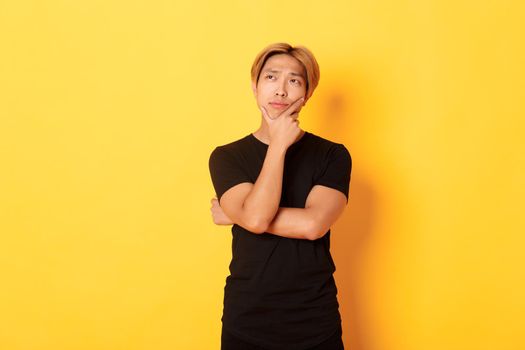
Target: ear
pixel 254 89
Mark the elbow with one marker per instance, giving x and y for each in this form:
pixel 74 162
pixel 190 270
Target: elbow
pixel 257 225
pixel 254 221
pixel 316 230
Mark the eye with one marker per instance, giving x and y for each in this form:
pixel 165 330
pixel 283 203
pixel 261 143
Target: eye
pixel 295 81
pixel 269 75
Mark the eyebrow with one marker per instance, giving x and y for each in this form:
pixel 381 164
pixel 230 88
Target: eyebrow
pixel 278 71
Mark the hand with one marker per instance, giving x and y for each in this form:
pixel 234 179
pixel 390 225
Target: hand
pixel 218 215
pixel 284 129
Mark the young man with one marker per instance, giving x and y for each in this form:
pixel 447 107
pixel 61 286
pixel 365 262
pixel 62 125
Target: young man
pixel 282 188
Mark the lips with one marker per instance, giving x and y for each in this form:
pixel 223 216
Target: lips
pixel 279 104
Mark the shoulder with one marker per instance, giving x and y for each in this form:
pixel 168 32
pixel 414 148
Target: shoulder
pixel 233 146
pixel 236 144
pixel 329 147
pixel 230 151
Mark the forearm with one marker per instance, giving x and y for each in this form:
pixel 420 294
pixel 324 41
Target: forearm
pixel 293 223
pixel 262 202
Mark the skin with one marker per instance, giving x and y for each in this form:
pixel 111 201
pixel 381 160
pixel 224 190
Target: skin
pixel 256 206
pixel 282 79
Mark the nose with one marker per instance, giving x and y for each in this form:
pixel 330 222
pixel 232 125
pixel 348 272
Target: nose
pixel 280 90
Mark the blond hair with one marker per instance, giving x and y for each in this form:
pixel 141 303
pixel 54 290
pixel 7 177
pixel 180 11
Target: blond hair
pixel 301 53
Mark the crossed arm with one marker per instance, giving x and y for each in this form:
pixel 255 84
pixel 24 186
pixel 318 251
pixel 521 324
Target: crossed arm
pixel 323 207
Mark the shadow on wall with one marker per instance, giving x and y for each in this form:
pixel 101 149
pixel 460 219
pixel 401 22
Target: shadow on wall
pixel 352 232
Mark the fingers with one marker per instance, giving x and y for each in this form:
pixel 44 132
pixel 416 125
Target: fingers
pixel 293 108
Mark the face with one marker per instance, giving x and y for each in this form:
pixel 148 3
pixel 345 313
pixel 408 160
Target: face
pixel 282 82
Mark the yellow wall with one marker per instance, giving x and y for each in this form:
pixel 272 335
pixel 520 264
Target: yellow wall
pixel 109 111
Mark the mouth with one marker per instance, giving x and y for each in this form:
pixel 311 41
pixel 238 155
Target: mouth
pixel 278 105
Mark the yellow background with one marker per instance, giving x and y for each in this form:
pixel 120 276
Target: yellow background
pixel 109 111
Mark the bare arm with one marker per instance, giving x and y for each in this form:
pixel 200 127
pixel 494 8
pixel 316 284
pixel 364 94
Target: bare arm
pixel 323 207
pixel 253 206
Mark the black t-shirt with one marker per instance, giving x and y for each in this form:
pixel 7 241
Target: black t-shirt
pixel 281 293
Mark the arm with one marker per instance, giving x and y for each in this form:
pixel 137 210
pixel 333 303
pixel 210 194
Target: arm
pixel 323 207
pixel 253 206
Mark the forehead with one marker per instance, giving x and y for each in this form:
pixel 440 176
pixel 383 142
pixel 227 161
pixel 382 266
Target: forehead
pixel 284 63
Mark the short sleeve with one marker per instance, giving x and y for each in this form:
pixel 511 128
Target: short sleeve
pixel 336 169
pixel 225 171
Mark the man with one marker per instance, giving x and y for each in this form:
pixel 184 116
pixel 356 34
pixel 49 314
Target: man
pixel 282 188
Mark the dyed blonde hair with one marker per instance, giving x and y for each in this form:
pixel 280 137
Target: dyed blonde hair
pixel 301 53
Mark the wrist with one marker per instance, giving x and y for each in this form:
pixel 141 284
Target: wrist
pixel 277 147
